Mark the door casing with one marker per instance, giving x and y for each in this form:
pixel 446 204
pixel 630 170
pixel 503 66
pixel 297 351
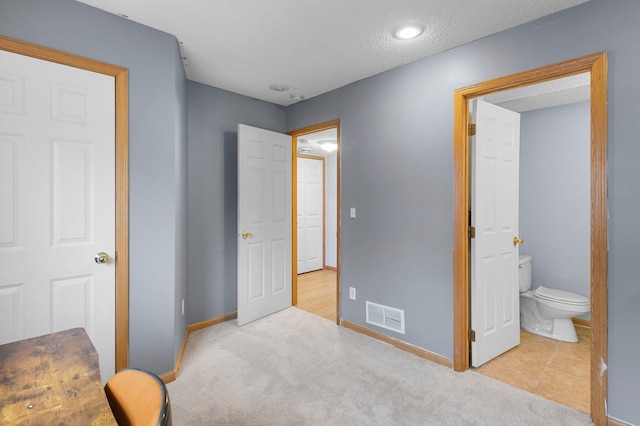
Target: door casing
pixel 333 124
pixel 121 79
pixel 596 64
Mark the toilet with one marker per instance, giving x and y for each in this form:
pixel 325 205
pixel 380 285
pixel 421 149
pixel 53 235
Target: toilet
pixel 547 311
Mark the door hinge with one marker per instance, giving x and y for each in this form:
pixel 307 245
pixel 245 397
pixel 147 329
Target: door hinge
pixel 472 129
pixel 472 232
pixel 472 335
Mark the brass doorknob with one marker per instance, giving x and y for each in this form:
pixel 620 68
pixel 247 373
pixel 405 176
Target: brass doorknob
pixel 101 257
pixel 246 234
pixel 517 241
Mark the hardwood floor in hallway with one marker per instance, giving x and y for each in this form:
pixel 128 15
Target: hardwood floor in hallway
pixel 317 293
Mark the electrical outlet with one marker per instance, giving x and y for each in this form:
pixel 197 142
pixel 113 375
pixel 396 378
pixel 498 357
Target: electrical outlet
pixel 352 293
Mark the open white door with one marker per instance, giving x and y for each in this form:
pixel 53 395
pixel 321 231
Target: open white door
pixel 310 214
pixel 57 202
pixel 264 223
pixel 495 307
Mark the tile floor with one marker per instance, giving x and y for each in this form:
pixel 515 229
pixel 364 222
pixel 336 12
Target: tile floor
pixel 555 370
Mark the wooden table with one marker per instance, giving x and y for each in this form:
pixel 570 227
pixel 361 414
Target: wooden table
pixel 52 380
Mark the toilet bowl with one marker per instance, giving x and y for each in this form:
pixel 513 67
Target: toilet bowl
pixel 548 311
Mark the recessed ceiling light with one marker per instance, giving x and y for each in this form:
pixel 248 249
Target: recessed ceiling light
pixel 296 97
pixel 278 87
pixel 328 145
pixel 407 32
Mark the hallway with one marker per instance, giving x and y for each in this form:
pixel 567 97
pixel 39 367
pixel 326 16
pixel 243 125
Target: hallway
pixel 317 293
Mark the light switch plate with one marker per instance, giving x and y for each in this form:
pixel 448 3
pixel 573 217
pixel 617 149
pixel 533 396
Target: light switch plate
pixel 352 213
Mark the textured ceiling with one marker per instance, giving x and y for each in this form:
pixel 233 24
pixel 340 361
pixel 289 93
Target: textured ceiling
pixel 311 141
pixel 562 91
pixel 316 46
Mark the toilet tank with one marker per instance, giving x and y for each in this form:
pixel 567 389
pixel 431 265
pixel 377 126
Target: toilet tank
pixel 524 272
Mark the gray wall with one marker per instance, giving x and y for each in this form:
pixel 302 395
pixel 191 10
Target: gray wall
pixel 157 130
pixel 555 196
pixel 397 168
pixel 331 210
pixel 181 164
pixel 214 115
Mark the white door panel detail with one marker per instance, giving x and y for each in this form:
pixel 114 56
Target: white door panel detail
pixel 57 202
pixel 495 306
pixel 264 223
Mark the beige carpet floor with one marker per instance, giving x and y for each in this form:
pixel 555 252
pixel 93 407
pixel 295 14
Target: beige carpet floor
pixel 294 368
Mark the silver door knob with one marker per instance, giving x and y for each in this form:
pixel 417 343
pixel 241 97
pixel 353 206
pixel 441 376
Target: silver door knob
pixel 101 257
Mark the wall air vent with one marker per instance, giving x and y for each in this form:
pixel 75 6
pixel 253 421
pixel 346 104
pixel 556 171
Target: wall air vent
pixel 385 317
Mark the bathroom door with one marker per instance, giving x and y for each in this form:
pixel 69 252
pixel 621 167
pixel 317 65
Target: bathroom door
pixel 495 155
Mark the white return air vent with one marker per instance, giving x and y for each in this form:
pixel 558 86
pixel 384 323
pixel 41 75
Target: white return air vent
pixel 385 317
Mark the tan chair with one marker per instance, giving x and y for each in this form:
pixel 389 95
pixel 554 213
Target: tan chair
pixel 138 398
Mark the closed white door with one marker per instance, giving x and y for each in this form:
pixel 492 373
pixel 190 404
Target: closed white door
pixel 310 214
pixel 495 307
pixel 57 202
pixel 264 223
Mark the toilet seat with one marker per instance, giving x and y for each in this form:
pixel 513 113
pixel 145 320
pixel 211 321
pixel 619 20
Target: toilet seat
pixel 561 296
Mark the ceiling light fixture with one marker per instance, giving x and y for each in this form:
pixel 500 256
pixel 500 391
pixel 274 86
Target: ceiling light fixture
pixel 408 32
pixel 328 145
pixel 296 97
pixel 278 87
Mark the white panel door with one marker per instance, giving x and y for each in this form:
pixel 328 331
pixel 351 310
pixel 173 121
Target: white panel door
pixel 495 308
pixel 57 202
pixel 310 214
pixel 264 223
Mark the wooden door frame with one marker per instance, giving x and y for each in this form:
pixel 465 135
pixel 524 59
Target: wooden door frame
pixel 596 64
pixel 333 124
pixel 121 80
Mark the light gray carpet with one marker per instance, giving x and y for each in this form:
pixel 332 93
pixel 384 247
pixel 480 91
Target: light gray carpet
pixel 293 368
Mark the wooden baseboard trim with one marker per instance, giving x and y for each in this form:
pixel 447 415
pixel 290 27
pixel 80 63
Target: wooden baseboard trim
pixel 170 376
pixel 330 268
pixel 422 353
pixel 213 321
pixel 616 422
pixel 581 322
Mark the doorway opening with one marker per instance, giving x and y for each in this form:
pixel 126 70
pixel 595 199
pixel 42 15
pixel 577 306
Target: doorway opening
pixel 596 65
pixel 551 217
pixel 316 254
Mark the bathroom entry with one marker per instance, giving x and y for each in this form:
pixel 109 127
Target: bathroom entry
pixel 596 65
pixel 494 219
